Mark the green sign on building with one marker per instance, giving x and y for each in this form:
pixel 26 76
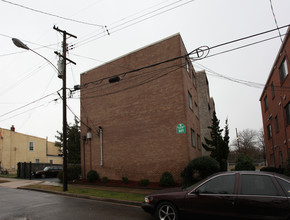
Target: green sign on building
pixel 180 129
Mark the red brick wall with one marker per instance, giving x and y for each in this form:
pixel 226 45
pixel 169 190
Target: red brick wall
pixel 139 114
pixel 280 140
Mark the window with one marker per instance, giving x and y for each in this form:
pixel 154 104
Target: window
pixel 192 138
pixel 283 70
pixel 198 142
pixel 190 101
pixel 281 159
pixel 277 124
pixel 285 185
pixel 258 185
pixel 273 90
pixel 287 110
pixel 193 79
pixel 219 185
pixel 269 129
pixel 51 161
pixel 31 146
pixel 187 67
pixel 272 160
pixel 195 109
pixel 266 103
pixel 36 160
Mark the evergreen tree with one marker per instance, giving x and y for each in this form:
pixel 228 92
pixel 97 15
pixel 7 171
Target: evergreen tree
pixel 73 143
pixel 218 145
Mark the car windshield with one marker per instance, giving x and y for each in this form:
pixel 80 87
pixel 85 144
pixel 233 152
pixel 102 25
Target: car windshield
pixel 46 168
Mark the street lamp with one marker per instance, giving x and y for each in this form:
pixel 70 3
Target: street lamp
pixel 20 44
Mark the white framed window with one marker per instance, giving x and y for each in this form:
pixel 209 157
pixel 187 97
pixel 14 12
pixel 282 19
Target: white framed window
pixel 283 70
pixel 187 66
pixel 37 161
pixel 31 146
pixel 190 101
pixel 193 144
pixel 198 142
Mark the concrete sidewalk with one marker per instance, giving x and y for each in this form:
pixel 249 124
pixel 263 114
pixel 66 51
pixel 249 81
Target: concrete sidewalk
pixel 20 183
pixel 23 183
pixel 16 183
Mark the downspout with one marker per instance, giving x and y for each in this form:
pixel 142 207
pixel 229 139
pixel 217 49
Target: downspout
pixel 101 144
pixel 84 154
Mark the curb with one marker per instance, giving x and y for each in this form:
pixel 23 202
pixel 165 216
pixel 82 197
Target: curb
pixel 123 202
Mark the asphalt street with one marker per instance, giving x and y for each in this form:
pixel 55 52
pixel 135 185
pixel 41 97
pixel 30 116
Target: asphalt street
pixel 16 204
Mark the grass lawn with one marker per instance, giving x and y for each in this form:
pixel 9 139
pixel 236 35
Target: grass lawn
pixel 136 197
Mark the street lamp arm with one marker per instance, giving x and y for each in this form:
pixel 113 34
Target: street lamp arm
pixel 20 44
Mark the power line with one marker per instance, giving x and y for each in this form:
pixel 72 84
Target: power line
pixel 37 100
pixel 53 15
pixel 272 9
pixel 132 22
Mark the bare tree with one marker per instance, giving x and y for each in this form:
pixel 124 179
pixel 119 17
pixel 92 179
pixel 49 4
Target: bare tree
pixel 249 142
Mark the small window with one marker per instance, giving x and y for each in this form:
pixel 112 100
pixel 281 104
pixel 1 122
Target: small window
pixel 277 124
pixel 31 146
pixel 281 159
pixel 273 90
pixel 285 185
pixel 287 110
pixel 266 103
pixel 258 185
pixel 219 185
pixel 269 129
pixel 190 101
pixel 187 67
pixel 283 70
pixel 193 79
pixel 36 160
pixel 51 161
pixel 192 138
pixel 195 109
pixel 198 142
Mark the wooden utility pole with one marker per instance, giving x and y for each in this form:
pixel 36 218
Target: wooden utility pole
pixel 64 58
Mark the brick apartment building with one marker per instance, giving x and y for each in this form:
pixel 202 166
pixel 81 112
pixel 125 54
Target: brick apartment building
pixel 275 105
pixel 132 114
pixel 206 107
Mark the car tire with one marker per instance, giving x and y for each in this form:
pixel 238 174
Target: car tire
pixel 166 211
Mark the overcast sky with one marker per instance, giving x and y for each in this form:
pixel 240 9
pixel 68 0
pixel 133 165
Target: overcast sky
pixel 29 84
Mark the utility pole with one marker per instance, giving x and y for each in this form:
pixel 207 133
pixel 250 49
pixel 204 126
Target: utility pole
pixel 64 59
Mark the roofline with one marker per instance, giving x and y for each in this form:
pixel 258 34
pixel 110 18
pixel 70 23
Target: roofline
pixel 136 50
pixel 286 38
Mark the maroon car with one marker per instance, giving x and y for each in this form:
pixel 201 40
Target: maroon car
pixel 228 195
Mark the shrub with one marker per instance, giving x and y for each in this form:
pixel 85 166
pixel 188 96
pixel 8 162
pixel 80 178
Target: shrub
pixel 105 179
pixel 73 173
pixel 92 176
pixel 144 182
pixel 270 169
pixel 244 162
pixel 166 179
pixel 198 169
pixel 125 179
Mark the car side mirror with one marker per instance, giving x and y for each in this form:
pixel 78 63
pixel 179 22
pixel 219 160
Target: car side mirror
pixel 196 192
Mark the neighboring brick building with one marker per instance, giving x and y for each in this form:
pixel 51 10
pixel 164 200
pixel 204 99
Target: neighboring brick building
pixel 139 114
pixel 275 105
pixel 16 147
pixel 206 107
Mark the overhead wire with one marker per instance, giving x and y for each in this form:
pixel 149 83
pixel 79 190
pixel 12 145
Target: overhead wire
pixel 131 22
pixel 50 14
